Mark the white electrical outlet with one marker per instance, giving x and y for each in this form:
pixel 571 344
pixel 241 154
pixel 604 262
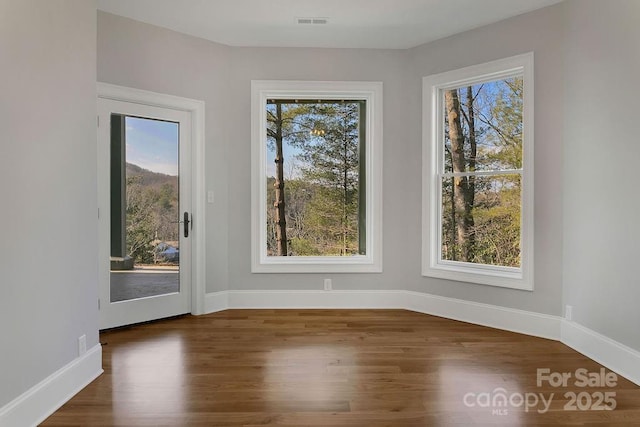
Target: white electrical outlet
pixel 82 345
pixel 568 312
pixel 327 285
pixel 210 196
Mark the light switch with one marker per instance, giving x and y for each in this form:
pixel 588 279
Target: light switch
pixel 210 196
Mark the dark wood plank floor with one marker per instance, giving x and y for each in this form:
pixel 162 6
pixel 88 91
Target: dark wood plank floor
pixel 335 368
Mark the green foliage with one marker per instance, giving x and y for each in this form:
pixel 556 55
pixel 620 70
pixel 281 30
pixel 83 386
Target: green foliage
pixel 495 206
pixel 505 125
pixel 151 213
pixel 304 247
pixel 497 229
pixel 321 192
pixel 139 221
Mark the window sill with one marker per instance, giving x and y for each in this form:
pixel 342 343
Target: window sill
pixel 355 264
pixel 512 278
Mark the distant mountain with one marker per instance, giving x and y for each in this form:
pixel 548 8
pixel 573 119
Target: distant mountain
pixel 151 179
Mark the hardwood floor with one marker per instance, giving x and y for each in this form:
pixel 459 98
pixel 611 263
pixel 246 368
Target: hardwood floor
pixel 336 368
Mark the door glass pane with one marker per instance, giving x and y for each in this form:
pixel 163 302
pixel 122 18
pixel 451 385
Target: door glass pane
pixel 145 228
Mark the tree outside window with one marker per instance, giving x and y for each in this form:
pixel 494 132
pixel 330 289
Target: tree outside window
pixel 478 174
pixel 313 178
pixel 316 177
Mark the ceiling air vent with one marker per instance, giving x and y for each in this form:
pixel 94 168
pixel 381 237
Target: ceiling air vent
pixel 312 21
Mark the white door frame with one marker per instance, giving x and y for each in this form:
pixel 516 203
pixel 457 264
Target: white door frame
pixel 195 109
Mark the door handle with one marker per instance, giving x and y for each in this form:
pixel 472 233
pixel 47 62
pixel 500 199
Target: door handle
pixel 185 223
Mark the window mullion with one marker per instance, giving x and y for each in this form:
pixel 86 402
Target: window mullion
pixel 482 173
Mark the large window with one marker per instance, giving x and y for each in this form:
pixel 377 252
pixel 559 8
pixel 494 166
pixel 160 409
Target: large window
pixel 316 176
pixel 478 174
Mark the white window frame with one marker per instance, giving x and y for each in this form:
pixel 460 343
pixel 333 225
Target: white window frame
pixel 371 93
pixel 432 163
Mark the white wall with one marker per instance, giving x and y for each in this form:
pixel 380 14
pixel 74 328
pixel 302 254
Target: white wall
pixel 146 57
pixel 541 32
pixel 139 55
pixel 47 161
pixel 401 72
pixel 134 54
pixel 48 188
pixel 601 152
pixel 387 66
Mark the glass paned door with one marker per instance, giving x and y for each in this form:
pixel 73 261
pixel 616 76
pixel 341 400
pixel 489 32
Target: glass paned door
pixel 144 152
pixel 145 196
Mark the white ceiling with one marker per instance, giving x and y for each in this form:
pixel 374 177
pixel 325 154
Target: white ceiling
pixel 394 24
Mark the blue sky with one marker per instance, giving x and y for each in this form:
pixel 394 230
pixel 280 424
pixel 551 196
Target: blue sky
pixel 291 164
pixel 152 144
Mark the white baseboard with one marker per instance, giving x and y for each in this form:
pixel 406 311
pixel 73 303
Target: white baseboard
pixel 216 301
pixel 42 400
pixel 521 321
pixel 284 299
pixel 612 354
pixel 315 299
pixel 615 356
pixel 509 319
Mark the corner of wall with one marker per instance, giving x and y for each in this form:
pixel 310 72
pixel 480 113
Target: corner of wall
pixel 36 404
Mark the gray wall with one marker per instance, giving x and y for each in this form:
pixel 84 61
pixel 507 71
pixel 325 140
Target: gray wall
pixel 146 57
pixel 134 54
pixel 601 152
pixel 541 32
pixel 47 170
pixel 388 66
pixel 587 59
